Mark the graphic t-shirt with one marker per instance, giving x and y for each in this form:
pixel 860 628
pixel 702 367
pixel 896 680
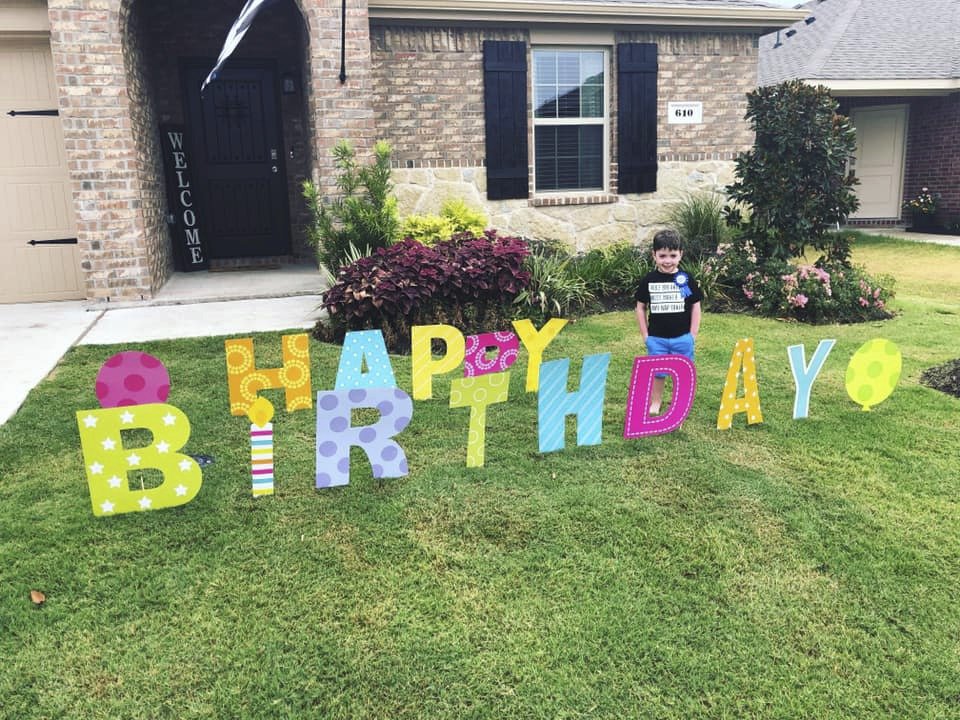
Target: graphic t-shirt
pixel 668 310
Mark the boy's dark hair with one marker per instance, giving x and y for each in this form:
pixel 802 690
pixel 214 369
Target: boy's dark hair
pixel 667 240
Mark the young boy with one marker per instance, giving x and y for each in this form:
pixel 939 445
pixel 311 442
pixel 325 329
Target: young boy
pixel 673 300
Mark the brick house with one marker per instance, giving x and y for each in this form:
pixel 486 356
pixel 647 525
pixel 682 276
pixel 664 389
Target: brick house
pixel 895 69
pixel 575 121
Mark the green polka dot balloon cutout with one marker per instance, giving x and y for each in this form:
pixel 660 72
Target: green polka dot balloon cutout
pixel 873 372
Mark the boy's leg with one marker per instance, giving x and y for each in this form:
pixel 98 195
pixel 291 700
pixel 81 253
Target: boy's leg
pixel 656 395
pixel 682 345
pixel 657 346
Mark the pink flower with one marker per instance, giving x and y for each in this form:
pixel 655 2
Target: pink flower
pixel 879 304
pixel 864 302
pixel 748 293
pixel 876 293
pixel 799 300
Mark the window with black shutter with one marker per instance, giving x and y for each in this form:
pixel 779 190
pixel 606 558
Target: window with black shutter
pixel 505 110
pixel 569 119
pixel 637 117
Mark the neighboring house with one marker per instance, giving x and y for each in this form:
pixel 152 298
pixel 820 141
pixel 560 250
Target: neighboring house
pixel 560 119
pixel 894 67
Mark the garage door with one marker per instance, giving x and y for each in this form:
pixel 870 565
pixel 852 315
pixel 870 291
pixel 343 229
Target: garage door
pixel 36 204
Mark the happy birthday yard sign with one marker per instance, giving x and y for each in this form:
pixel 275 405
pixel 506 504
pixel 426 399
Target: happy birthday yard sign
pixel 132 388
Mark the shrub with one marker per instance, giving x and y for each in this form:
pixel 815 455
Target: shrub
pixel 455 217
pixel 554 289
pixel 427 229
pixel 364 215
pixel 701 222
pixel 486 274
pixel 467 280
pixel 612 273
pixel 836 293
pixel 463 217
pixel 794 180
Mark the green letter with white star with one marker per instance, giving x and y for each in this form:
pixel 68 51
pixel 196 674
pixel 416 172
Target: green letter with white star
pixel 107 462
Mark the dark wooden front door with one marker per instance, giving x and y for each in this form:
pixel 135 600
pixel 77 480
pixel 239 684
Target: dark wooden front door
pixel 235 133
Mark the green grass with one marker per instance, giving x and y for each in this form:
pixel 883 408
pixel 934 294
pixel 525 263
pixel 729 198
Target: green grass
pixel 793 569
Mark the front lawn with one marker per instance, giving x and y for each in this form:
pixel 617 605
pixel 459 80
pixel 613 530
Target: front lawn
pixel 792 569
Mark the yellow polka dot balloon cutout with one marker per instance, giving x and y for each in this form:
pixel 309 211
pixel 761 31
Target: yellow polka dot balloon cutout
pixel 873 372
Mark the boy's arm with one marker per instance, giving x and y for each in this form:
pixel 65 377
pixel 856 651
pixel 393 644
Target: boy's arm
pixel 695 314
pixel 642 320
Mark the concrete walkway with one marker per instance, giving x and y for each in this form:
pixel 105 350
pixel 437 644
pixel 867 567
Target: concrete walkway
pixel 34 336
pixel 913 236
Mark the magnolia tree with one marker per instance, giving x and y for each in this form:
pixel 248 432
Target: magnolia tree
pixel 794 183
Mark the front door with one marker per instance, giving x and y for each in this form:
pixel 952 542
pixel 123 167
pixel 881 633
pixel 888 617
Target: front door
pixel 237 149
pixel 879 160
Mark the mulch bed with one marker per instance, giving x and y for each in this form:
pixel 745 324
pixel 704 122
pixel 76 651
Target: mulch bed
pixel 945 378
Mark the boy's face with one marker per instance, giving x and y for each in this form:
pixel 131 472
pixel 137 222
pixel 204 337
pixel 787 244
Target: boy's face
pixel 667 260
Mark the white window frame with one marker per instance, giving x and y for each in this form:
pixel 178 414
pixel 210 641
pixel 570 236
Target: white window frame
pixel 604 121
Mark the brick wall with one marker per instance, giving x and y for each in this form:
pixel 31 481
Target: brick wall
pixel 95 112
pixel 428 91
pixel 149 222
pixel 933 151
pixel 428 103
pixel 717 69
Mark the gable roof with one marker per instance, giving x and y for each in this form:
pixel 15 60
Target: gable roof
pixel 877 47
pixel 755 15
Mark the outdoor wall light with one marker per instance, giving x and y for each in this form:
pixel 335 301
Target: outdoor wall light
pixel 288 84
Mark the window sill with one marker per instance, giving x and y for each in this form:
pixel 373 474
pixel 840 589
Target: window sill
pixel 562 200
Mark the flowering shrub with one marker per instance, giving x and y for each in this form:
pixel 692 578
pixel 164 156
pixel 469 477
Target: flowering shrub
pixel 838 293
pixel 829 290
pixel 467 280
pixel 925 203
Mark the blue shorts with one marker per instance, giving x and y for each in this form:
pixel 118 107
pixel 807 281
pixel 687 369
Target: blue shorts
pixel 682 345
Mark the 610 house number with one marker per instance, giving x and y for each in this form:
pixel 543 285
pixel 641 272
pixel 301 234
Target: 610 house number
pixel 685 113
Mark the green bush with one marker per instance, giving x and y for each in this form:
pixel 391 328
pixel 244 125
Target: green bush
pixel 554 289
pixel 426 229
pixel 363 216
pixel 701 222
pixel 455 217
pixel 612 273
pixel 794 181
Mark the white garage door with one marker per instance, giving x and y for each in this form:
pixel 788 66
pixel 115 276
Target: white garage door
pixel 35 195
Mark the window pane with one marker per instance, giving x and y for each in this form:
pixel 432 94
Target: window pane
pixel 568 103
pixel 545 67
pixel 569 157
pixel 591 101
pixel 591 67
pixel 545 101
pixel 568 84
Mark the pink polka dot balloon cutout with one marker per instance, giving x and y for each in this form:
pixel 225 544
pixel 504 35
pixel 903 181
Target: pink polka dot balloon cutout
pixel 132 378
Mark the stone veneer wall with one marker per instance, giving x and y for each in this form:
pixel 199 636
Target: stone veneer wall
pixel 428 103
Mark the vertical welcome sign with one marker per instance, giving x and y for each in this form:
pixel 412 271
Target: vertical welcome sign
pixel 189 253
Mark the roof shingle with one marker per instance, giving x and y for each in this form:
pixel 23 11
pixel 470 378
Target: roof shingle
pixel 866 40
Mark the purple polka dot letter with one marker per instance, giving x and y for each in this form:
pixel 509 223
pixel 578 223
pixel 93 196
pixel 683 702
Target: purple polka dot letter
pixel 335 435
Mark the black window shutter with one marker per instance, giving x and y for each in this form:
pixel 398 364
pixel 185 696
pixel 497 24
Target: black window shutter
pixel 505 115
pixel 637 117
